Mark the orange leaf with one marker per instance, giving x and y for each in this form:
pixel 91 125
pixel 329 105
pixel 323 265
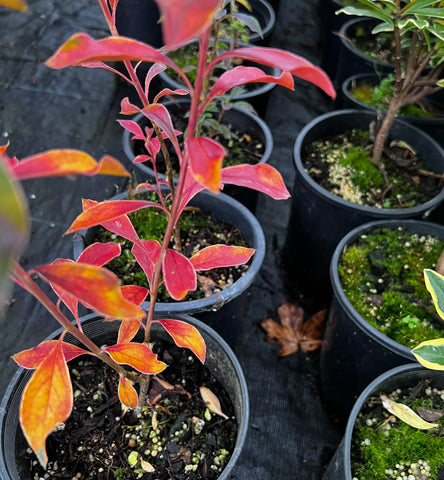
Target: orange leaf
pixel 185 335
pixel 103 212
pixel 33 357
pixel 20 5
pixel 137 355
pixel 128 330
pixel 261 177
pixel 127 393
pixel 195 17
pixel 95 287
pixel 205 157
pixel 47 400
pixel 81 49
pixel 54 163
pixel 178 274
pixel 217 256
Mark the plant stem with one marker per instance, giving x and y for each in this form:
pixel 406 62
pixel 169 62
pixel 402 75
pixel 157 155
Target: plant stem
pixel 24 279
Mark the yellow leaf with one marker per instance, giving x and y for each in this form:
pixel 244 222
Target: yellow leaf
pixel 146 466
pixel 406 414
pixel 211 401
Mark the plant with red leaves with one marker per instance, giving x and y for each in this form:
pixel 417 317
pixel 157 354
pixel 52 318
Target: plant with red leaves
pixel 47 399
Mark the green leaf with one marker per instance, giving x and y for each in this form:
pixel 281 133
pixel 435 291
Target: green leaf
pixel 14 227
pixel 440 83
pixel 414 23
pixel 435 285
pixel 364 12
pixel 430 354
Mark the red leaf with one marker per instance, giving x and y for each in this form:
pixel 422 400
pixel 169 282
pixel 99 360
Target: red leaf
pixel 195 17
pixel 46 401
pixel 159 115
pixel 168 91
pixel 104 212
pixel 261 177
pixel 134 293
pixel 134 128
pixel 178 274
pixel 95 287
pixel 54 163
pixel 120 226
pixel 185 335
pixel 127 393
pixel 285 61
pixel 243 75
pixel 217 256
pixel 137 355
pixel 99 253
pixel 81 48
pixel 33 357
pixel 205 157
pixel 146 252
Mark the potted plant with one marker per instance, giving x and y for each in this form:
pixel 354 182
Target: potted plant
pixel 380 308
pixel 394 429
pixel 249 136
pixel 369 91
pixel 326 206
pixel 417 43
pixel 47 398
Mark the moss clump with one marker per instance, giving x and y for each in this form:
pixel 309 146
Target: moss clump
pixel 384 448
pixel 343 165
pixel 382 276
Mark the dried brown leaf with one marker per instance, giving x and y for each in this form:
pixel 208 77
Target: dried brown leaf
pixel 211 401
pixel 293 333
pixel 429 415
pixel 146 466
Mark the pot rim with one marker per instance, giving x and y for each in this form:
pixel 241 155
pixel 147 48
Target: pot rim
pixel 340 295
pixel 344 35
pixel 382 213
pixel 345 88
pixel 21 375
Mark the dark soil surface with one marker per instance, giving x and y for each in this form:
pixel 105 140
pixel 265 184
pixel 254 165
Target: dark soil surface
pixel 99 440
pixel 361 182
pixel 378 47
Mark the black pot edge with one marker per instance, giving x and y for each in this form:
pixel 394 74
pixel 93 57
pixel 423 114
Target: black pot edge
pixel 213 302
pixel 345 89
pixel 375 212
pixel 343 35
pixel 245 408
pixel 342 299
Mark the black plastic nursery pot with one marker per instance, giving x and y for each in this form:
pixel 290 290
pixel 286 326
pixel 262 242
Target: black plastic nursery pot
pixel 433 126
pixel 264 13
pixel 353 352
pixel 221 361
pixel 144 26
pixel 351 61
pixel 221 311
pixel 330 26
pixel 239 119
pixel 319 219
pixel 408 375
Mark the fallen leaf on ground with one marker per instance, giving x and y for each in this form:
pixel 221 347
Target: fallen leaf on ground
pixel 293 333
